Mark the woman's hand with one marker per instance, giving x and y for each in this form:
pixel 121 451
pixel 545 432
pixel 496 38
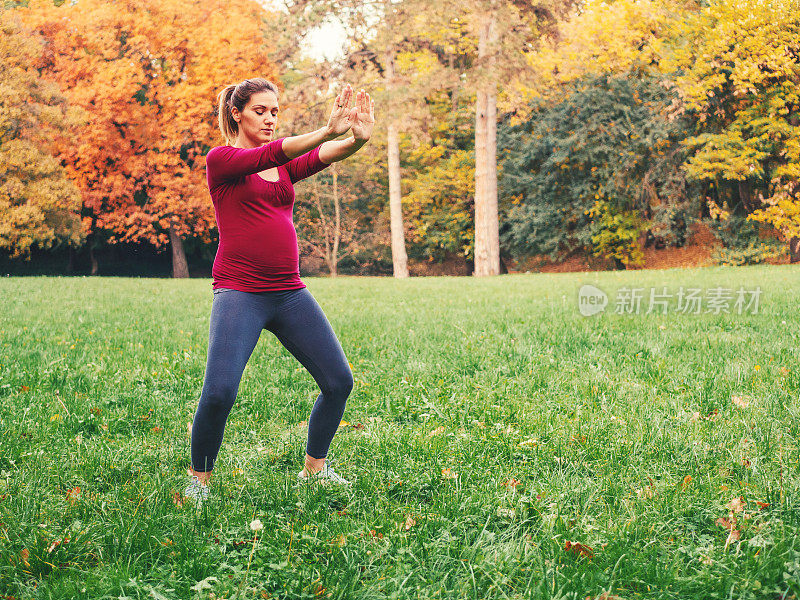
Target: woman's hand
pixel 340 119
pixel 362 117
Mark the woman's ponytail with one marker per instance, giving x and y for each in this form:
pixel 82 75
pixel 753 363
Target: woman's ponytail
pixel 227 124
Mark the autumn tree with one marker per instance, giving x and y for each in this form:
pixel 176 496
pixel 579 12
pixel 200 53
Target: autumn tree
pixel 403 52
pixel 737 67
pixel 148 74
pixel 39 205
pixel 594 157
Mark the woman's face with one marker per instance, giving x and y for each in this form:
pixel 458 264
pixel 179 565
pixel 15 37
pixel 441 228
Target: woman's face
pixel 258 119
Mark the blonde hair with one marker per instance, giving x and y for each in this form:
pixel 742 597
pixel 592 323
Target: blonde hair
pixel 238 95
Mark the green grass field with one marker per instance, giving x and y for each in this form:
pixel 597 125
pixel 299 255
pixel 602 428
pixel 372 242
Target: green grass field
pixel 501 444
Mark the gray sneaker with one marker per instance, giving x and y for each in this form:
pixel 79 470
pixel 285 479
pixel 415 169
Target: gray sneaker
pixel 325 477
pixel 197 491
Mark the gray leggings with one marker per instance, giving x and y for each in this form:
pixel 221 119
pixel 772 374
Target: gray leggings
pixel 298 322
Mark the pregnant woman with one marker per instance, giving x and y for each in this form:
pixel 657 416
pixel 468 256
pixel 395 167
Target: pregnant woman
pixel 256 270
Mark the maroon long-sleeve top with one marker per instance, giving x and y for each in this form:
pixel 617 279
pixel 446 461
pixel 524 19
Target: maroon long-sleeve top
pixel 257 249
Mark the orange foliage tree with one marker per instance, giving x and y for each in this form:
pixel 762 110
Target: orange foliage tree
pixel 148 73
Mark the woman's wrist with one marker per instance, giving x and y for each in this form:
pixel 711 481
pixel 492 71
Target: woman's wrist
pixel 329 135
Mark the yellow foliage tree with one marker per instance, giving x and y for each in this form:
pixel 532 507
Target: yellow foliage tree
pixel 39 205
pixel 599 38
pixel 739 65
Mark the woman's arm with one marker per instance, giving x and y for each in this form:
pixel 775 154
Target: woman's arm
pixel 225 163
pixel 337 150
pixel 296 145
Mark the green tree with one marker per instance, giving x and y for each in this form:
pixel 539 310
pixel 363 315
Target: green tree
pixel 595 170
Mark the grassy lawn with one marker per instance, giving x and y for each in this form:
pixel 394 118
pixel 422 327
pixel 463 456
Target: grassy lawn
pixel 501 444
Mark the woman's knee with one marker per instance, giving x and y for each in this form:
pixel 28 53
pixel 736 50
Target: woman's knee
pixel 341 384
pixel 219 398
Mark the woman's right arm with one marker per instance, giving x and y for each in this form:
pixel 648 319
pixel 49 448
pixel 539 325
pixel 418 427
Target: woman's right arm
pixel 225 163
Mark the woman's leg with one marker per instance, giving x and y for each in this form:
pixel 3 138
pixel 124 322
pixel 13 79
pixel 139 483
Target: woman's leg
pixel 303 329
pixel 237 319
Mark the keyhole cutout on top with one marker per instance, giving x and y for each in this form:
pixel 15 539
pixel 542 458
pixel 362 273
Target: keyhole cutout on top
pixel 269 174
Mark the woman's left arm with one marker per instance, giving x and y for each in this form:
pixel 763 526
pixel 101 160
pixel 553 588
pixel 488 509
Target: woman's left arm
pixel 336 150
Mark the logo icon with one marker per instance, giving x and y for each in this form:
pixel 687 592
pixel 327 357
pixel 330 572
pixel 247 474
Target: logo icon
pixel 591 300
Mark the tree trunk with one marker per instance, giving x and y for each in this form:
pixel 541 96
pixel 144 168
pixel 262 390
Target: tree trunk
pixel 326 252
pixel 744 196
pixel 71 260
pixel 794 249
pixel 453 101
pixel 92 260
pixel 337 225
pixel 487 249
pixel 180 269
pixel 399 256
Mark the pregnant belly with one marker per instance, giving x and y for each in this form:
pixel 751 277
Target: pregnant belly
pixel 268 249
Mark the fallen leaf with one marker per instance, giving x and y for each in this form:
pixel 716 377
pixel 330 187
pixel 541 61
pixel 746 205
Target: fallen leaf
pixel 73 494
pixel 741 401
pixel 438 431
pixel 579 549
pixel 56 543
pixel 686 482
pixel 511 483
pixel 762 505
pixel 735 504
pixel 732 537
pixel 410 522
pixel 725 523
pixel 448 474
pixel 177 499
